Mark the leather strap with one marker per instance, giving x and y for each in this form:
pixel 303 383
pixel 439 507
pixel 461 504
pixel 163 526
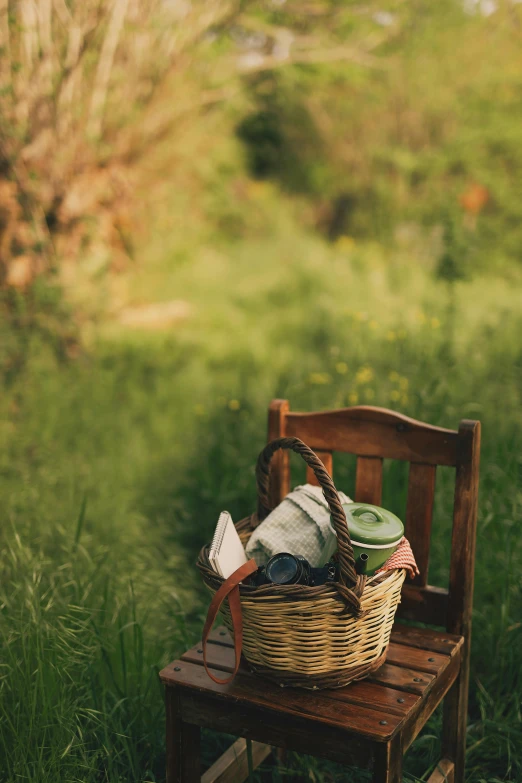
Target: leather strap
pixel 229 589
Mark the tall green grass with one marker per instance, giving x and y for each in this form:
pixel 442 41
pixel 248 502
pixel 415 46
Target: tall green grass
pixel 114 466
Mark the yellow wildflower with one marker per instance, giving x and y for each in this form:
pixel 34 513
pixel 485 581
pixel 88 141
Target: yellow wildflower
pixel 394 376
pixel 353 398
pixel 420 316
pixel 395 395
pixel 234 405
pixel 319 378
pixel 435 323
pixel 358 316
pixel 391 336
pixel 403 383
pixel 373 325
pixel 364 375
pixel 404 399
pixel 345 243
pixel 199 410
pixel 257 188
pixel 342 368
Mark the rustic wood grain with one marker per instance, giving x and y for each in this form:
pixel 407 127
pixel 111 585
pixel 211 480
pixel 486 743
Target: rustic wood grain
pixel 376 695
pixel 402 679
pixel 426 639
pixel 232 765
pixel 314 705
pixel 280 465
pixel 300 734
pixel 171 734
pixel 374 432
pixel 462 569
pixel 419 510
pixel 182 742
pixel 368 480
pixel 424 709
pixel 415 658
pixel 443 773
pixel 218 657
pixel 387 766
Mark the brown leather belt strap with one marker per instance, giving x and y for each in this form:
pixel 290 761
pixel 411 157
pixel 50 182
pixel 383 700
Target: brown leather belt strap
pixel 229 589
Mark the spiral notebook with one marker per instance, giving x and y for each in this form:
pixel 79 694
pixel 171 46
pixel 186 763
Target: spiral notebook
pixel 226 551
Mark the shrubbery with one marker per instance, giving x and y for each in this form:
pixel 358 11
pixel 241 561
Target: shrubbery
pixel 377 119
pixel 84 90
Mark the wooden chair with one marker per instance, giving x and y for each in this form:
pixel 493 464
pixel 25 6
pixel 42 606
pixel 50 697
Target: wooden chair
pixel 373 722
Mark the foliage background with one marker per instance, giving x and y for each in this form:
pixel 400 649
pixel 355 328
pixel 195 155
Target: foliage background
pixel 204 206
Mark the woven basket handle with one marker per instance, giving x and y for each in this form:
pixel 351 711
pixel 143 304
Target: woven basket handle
pixel 348 575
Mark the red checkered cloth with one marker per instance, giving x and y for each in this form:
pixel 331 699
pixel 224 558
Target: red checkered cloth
pixel 402 558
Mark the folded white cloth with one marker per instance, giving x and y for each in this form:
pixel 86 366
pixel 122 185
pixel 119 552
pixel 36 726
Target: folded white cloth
pixel 300 524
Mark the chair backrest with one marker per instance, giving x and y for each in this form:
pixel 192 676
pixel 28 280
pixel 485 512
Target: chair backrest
pixel 374 434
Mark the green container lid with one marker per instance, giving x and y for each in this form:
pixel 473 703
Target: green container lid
pixel 372 525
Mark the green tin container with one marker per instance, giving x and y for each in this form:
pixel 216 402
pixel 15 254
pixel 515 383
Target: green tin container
pixel 375 533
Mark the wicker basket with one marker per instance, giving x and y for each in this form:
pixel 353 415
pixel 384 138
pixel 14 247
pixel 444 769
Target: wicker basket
pixel 312 637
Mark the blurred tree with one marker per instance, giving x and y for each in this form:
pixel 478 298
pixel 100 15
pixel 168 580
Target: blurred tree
pixel 377 113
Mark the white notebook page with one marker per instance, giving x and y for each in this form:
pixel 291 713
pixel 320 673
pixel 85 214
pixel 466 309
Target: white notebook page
pixel 226 552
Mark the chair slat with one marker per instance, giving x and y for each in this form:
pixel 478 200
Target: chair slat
pixel 280 464
pixel 416 658
pixel 374 722
pixel 402 678
pixel 443 773
pixel 464 529
pixel 326 458
pixel 232 766
pixel 463 539
pixel 368 481
pixel 374 432
pixel 419 510
pixel 423 638
pixel 425 604
pixel 367 694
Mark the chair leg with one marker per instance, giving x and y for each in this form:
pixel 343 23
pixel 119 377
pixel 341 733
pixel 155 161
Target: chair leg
pixel 455 718
pixel 387 762
pixel 183 743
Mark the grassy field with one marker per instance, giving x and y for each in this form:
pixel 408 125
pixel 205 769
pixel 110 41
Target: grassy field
pixel 329 196
pixel 115 464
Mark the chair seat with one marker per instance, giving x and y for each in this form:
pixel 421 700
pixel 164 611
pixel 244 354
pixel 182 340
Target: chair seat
pixel 421 665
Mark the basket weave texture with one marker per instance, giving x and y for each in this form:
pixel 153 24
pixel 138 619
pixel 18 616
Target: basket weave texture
pixel 312 637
